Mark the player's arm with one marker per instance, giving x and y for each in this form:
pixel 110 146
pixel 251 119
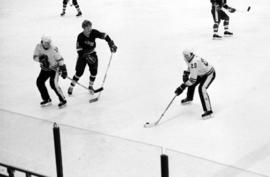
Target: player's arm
pixel 60 60
pixel 79 47
pixel 230 9
pixel 192 78
pixel 36 54
pixel 107 38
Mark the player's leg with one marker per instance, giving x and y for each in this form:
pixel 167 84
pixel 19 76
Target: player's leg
pixel 204 97
pixel 54 77
pixel 76 5
pixel 64 7
pixel 216 17
pixel 42 77
pixel 226 22
pixel 93 68
pixel 80 66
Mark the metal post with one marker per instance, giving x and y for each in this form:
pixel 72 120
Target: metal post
pixel 164 165
pixel 10 172
pixel 57 147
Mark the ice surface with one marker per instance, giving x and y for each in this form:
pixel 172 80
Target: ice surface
pixel 145 72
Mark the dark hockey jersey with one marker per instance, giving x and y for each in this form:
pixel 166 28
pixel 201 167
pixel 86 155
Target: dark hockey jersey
pixel 88 44
pixel 220 3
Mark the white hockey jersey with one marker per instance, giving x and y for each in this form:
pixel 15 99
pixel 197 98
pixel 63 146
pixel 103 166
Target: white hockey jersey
pixel 54 57
pixel 198 67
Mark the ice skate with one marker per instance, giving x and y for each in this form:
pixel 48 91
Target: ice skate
pixel 186 101
pixel 46 103
pixel 63 13
pixel 62 104
pixel 207 115
pixel 79 14
pixel 70 90
pixel 216 37
pixel 91 90
pixel 228 34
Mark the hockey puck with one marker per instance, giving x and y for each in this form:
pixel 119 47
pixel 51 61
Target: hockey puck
pixel 146 124
pixel 248 9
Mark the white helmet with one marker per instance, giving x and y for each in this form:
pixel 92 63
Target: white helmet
pixel 46 41
pixel 188 54
pixel 46 38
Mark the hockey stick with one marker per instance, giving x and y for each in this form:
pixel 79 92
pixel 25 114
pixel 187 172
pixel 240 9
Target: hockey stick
pixel 243 11
pixel 95 90
pixel 103 82
pixel 149 125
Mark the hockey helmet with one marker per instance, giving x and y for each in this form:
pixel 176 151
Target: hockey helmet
pixel 46 41
pixel 188 54
pixel 86 23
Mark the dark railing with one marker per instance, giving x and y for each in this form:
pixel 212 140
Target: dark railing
pixel 11 171
pixel 58 157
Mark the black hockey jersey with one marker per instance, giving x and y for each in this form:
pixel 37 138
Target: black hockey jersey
pixel 88 44
pixel 220 3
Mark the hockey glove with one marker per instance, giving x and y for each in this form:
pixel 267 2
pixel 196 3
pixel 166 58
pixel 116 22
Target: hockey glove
pixel 180 89
pixel 44 60
pixel 112 46
pixel 185 76
pixel 89 58
pixel 63 71
pixel 231 10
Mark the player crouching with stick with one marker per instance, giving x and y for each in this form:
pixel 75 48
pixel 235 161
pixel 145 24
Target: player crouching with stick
pixel 201 73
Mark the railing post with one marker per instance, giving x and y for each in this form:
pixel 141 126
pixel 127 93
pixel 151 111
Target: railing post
pixel 164 160
pixel 10 172
pixel 27 174
pixel 57 147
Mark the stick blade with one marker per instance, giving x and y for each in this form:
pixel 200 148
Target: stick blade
pixel 99 90
pixel 93 100
pixel 149 125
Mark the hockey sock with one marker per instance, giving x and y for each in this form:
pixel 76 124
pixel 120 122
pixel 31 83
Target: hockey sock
pixel 226 25
pixel 77 7
pixel 64 8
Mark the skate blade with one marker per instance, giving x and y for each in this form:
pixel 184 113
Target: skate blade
pixel 188 102
pixel 61 107
pixel 208 117
pixel 226 35
pixel 46 105
pixel 216 39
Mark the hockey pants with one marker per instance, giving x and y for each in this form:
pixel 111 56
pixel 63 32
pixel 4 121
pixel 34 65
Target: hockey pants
pixel 54 77
pixel 204 82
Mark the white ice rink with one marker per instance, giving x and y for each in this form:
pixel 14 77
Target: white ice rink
pixel 107 138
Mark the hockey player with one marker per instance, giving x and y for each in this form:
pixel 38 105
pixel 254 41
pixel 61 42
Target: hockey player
pixel 76 5
pixel 199 72
pixel 52 64
pixel 87 55
pixel 218 15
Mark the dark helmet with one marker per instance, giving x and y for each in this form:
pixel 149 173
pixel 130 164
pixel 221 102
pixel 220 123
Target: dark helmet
pixel 86 23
